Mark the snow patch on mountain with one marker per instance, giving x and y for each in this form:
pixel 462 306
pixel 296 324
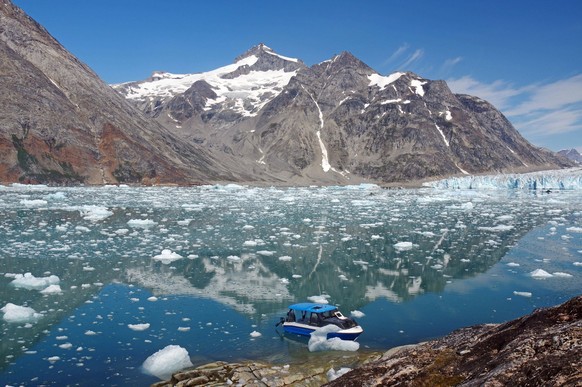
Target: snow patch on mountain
pixel 248 93
pixel 383 81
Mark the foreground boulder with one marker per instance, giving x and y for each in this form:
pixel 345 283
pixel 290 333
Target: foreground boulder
pixel 543 348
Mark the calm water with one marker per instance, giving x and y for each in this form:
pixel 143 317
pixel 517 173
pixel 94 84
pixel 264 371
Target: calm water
pixel 245 254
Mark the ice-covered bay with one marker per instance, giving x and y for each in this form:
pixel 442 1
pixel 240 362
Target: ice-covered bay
pixel 211 269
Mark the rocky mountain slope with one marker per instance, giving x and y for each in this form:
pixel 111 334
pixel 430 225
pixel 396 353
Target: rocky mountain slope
pixel 571 154
pixel 338 121
pixel 61 124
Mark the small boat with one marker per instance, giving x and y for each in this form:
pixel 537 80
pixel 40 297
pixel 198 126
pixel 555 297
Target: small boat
pixel 304 318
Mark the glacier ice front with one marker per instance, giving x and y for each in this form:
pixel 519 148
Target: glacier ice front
pixel 563 179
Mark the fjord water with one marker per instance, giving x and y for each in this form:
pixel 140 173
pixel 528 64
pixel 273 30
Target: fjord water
pixel 410 264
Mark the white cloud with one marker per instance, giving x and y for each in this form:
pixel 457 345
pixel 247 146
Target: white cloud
pixel 396 54
pixel 553 122
pixel 415 56
pixel 498 93
pixel 538 109
pixel 450 63
pixel 551 96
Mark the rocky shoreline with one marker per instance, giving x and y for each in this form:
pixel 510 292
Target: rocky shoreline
pixel 543 348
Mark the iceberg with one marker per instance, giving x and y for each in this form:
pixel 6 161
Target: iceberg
pixel 166 361
pixel 167 257
pixel 19 314
pixel 319 342
pixel 29 281
pixel 540 273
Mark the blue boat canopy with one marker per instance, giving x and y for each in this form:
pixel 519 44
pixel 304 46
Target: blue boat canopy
pixel 312 307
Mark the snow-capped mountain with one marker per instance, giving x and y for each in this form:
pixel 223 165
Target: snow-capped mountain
pixel 244 87
pixel 338 121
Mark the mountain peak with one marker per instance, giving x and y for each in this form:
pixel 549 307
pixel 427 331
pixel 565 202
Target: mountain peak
pixel 347 60
pixel 261 50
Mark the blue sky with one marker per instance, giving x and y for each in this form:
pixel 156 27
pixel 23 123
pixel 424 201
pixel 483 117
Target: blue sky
pixel 524 56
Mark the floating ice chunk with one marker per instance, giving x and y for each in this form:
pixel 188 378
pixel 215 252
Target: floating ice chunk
pixel 562 274
pixel 33 203
pixel 540 273
pixel 152 299
pixel 402 246
pixel 167 257
pixel 342 277
pixel 233 258
pixel 374 237
pixel 333 374
pixel 574 229
pixel 166 361
pixel 513 264
pixel 249 244
pixel 577 263
pixel 248 227
pixel 284 281
pixel 52 289
pixel 467 206
pixel 256 334
pixel 184 329
pixel 53 359
pixel 265 253
pixel 319 299
pixel 56 196
pixel 138 327
pixel 522 294
pixel 141 223
pixel 95 213
pixel 319 341
pixel 357 314
pixel 498 228
pixel 19 314
pixel 29 281
pixel 360 262
pixel 66 346
pixel 90 333
pixel 285 258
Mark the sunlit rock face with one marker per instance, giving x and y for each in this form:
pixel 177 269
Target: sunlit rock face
pixel 61 124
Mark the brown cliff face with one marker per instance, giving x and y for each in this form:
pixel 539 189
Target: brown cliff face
pixel 61 124
pixel 540 349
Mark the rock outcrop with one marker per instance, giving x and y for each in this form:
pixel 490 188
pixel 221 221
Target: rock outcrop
pixel 540 349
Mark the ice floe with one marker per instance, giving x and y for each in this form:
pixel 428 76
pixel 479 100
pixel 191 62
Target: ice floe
pixel 319 342
pixel 29 281
pixel 138 327
pixel 540 273
pixel 19 314
pixel 166 361
pixel 167 257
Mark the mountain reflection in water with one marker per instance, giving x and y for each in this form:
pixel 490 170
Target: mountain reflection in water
pixel 247 253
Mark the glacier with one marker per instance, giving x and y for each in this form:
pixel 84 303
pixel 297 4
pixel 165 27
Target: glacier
pixel 562 179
